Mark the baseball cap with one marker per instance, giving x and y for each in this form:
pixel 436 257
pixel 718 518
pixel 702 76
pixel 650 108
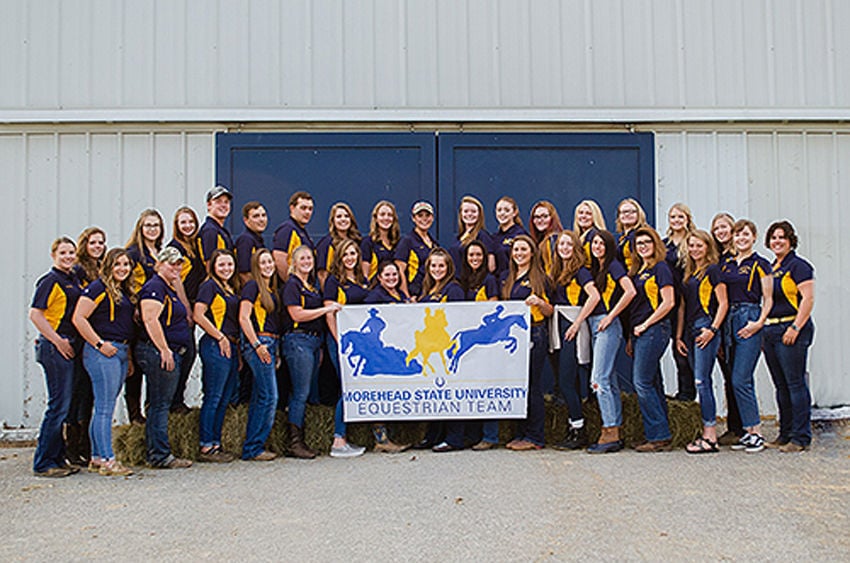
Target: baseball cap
pixel 217 192
pixel 170 255
pixel 422 206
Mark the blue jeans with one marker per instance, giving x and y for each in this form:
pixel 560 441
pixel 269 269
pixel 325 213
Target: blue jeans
pixel 161 385
pixel 59 376
pixel 743 354
pixel 787 365
pixel 646 374
pixel 185 371
pixel 568 372
pixel 263 398
pixel 603 380
pixel 333 351
pixel 490 431
pixel 107 376
pixel 219 377
pixel 702 364
pixel 531 427
pixel 301 351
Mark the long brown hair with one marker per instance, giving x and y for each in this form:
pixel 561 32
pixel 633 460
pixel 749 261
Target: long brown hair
pixel 429 284
pixel 469 278
pixel 234 282
pixel 137 239
pixel 338 268
pixel 564 270
pixel 268 288
pixel 599 270
pixel 115 289
pixel 394 233
pixel 536 276
pixel 659 251
pixel 508 199
pixel 711 254
pixel 189 243
pixel 353 230
pixel 89 264
pixel 555 225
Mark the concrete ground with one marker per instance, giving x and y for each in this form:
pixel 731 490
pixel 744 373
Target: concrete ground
pixel 421 506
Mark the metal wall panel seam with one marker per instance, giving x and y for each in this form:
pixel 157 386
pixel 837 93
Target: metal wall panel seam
pixel 801 47
pixel 680 58
pixel 830 51
pixel 403 50
pixel 770 53
pixel 26 373
pixel 588 53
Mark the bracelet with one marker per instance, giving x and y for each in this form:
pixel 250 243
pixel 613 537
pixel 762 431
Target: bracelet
pixel 713 329
pixel 220 338
pixel 257 344
pixel 795 328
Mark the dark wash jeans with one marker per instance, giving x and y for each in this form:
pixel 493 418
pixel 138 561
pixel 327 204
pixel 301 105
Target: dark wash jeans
pixel 787 365
pixel 161 385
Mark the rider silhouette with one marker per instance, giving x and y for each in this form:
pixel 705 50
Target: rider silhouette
pixel 490 318
pixel 374 325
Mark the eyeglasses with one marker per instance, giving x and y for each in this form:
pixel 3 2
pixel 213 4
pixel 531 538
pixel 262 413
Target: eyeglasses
pixel 643 242
pixel 151 226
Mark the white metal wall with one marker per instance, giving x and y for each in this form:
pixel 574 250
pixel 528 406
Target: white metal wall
pixel 737 58
pixel 61 182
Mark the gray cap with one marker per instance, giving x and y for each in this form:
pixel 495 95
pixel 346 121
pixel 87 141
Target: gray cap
pixel 170 255
pixel 217 192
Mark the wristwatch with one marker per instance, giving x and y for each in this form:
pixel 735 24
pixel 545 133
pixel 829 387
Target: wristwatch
pixel 99 344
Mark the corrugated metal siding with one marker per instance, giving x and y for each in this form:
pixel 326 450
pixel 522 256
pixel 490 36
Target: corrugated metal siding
pixel 388 54
pixel 766 176
pixel 61 183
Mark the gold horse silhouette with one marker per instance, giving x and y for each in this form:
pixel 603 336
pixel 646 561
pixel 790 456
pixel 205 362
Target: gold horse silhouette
pixel 434 339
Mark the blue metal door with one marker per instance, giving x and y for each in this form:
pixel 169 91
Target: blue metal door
pixel 358 168
pixel 562 168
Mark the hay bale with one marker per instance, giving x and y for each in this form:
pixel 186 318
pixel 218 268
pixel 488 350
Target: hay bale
pixel 129 440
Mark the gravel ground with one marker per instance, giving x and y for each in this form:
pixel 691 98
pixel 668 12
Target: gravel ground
pixel 421 506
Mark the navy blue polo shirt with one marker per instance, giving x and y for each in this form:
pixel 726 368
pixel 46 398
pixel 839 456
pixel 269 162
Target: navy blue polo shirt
pixel 573 292
pixel 143 264
pixel 521 289
pixel 485 291
pixel 413 251
pixel 626 247
pixel 346 293
pixel 381 295
pixel 700 296
pixel 56 293
pixel 611 293
pixel 261 319
pixel 648 284
pixel 246 245
pixel 457 250
pixel 110 320
pixel 290 235
pixel 194 270
pixel 586 241
pixel 452 291
pixel 222 307
pixel 172 318
pixel 212 236
pixel 743 281
pixel 307 296
pixel 501 246
pixel 787 275
pixel 374 252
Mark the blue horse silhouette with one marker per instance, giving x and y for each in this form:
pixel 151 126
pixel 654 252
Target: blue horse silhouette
pixel 368 354
pixel 492 330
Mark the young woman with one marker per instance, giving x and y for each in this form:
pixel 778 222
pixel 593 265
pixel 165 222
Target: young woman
pixel 616 292
pixel 56 294
pixel 630 218
pixel 440 286
pixel 345 285
pixel 545 225
pixel 259 319
pixel 471 226
pixel 216 311
pixel 104 319
pixel 384 234
pixel 528 281
pixel 341 225
pixel 750 288
pixel 680 224
pixel 577 294
pixel 650 335
pixel 510 226
pixel 185 229
pixel 385 289
pixel 788 334
pixel 703 307
pixel 143 246
pixel 587 221
pixel 160 352
pixel 721 231
pixel 302 342
pixel 414 248
pixel 91 246
pixel 480 285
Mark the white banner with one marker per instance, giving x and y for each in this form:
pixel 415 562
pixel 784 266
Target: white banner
pixel 434 361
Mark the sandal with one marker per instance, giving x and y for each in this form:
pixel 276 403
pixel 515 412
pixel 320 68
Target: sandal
pixel 702 446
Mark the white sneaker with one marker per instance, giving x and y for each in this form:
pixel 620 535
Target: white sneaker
pixel 347 451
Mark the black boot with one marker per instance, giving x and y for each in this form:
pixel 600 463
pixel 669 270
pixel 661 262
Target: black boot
pixel 297 447
pixel 576 439
pixel 72 445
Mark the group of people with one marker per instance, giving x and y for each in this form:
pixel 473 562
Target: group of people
pixel 107 318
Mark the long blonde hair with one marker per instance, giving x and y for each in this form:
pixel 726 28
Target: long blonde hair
pixel 187 242
pixel 641 216
pixel 598 218
pixel 115 289
pixel 564 270
pixel 429 284
pixel 462 233
pixel 394 232
pixel 711 254
pixel 138 239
